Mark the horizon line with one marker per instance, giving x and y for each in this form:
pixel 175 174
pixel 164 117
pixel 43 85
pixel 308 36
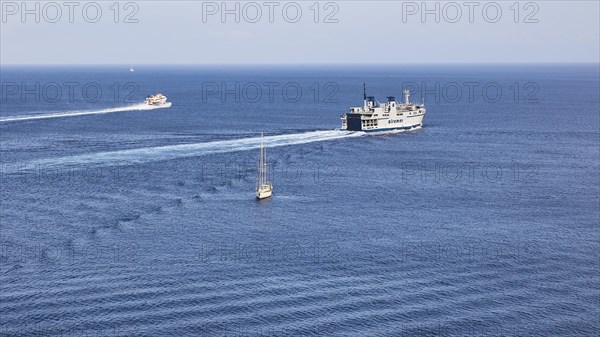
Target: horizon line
pixel 298 64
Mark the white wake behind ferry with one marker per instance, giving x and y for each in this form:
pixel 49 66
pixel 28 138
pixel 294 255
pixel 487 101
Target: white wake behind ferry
pixel 374 116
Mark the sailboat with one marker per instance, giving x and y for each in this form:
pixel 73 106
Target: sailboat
pixel 264 189
pixel 131 69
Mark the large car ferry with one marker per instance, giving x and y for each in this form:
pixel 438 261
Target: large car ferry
pixel 374 116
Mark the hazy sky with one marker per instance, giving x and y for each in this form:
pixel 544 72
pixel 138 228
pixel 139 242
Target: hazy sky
pixel 194 32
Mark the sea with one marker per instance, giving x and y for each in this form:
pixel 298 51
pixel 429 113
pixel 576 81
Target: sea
pixel 120 219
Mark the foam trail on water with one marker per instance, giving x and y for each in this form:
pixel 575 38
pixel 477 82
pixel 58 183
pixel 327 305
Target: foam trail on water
pixel 169 152
pixel 142 106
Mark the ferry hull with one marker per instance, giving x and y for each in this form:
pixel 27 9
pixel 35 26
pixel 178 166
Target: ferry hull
pixel 396 128
pixel 354 123
pixel 161 105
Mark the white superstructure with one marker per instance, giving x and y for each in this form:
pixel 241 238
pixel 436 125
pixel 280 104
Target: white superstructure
pixel 156 99
pixel 374 116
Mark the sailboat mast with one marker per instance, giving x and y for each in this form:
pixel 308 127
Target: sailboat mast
pixel 261 164
pixel 264 164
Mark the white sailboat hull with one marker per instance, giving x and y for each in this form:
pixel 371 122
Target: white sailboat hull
pixel 264 191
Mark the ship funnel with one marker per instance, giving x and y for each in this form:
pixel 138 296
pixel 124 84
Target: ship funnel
pixel 364 96
pixel 406 94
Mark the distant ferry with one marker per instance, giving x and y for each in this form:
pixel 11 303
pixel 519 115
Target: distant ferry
pixel 156 99
pixel 374 116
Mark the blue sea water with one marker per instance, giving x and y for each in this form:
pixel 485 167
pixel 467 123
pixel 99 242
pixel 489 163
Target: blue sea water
pixel 119 221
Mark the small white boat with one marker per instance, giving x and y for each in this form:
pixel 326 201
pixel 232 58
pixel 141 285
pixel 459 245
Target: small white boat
pixel 264 188
pixel 156 99
pixel 131 69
